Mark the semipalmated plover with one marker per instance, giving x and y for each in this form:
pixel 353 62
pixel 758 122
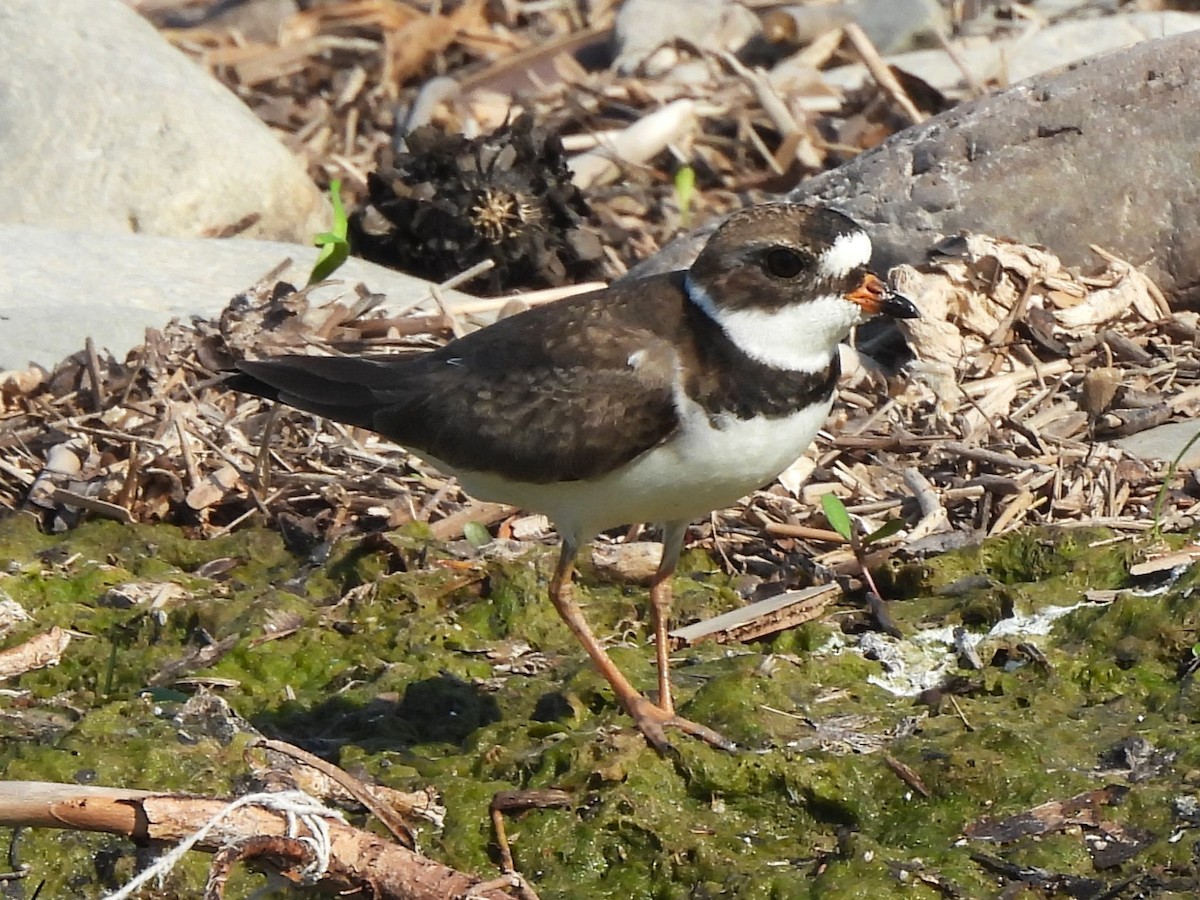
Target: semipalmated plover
pixel 655 401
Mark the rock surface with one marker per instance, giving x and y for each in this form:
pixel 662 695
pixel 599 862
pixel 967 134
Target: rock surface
pixel 1027 55
pixel 1103 154
pixel 142 141
pixel 64 287
pixel 896 25
pixel 1165 443
pixel 642 27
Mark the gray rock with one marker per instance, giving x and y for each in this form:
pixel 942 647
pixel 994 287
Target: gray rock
pixel 106 127
pixel 63 287
pixel 1165 442
pixel 1105 154
pixel 897 25
pixel 1041 50
pixel 1058 9
pixel 643 26
pixel 256 20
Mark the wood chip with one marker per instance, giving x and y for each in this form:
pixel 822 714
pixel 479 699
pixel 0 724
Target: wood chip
pixel 38 652
pixel 766 617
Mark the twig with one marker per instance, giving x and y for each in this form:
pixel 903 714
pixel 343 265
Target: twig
pixel 185 449
pixel 958 712
pixel 804 532
pixel 908 775
pixel 992 457
pixel 519 801
pixel 881 73
pixel 97 384
pixel 466 275
pixel 92 504
pixel 358 861
pixel 933 515
pixel 790 132
pixel 452 320
pixel 974 85
pixel 359 791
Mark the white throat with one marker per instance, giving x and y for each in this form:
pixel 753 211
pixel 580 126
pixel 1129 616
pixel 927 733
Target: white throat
pixel 798 337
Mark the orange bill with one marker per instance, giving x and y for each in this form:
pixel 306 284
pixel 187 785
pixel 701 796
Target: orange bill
pixel 875 298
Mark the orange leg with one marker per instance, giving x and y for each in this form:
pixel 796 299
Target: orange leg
pixel 650 719
pixel 660 609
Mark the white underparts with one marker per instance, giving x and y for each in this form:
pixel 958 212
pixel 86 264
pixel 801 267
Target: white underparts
pixel 706 465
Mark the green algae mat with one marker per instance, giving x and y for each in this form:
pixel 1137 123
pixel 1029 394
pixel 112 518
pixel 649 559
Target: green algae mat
pixel 1067 765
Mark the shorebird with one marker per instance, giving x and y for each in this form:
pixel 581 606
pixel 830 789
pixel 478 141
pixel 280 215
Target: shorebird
pixel 657 400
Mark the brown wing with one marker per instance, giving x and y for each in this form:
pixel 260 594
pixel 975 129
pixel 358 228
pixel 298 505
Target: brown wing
pixel 559 393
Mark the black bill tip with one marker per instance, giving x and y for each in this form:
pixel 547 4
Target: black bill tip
pixel 898 306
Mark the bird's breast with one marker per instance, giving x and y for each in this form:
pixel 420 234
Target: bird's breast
pixel 709 463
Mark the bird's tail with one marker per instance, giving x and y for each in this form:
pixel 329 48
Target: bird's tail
pixel 346 389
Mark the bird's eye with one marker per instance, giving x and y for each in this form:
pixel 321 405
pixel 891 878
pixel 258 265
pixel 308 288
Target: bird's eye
pixel 784 263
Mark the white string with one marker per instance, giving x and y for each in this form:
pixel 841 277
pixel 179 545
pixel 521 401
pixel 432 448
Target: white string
pixel 299 808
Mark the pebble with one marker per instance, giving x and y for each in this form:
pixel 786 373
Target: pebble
pixel 644 27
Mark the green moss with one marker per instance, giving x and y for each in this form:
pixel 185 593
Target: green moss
pixel 391 658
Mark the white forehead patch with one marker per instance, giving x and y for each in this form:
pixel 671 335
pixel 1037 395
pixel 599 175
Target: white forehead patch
pixel 849 251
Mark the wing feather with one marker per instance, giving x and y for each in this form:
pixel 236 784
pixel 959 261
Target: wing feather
pixel 559 393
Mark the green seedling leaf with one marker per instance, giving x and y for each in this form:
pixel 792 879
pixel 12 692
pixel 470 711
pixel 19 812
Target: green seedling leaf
pixel 685 190
pixel 835 513
pixel 335 243
pixel 887 529
pixel 476 534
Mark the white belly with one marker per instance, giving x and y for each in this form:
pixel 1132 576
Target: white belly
pixel 706 466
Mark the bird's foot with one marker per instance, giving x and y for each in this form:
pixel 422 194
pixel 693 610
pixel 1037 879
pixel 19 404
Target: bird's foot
pixel 652 720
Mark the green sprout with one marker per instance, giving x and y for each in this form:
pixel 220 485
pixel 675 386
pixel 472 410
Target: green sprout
pixel 334 244
pixel 476 534
pixel 685 190
pixel 840 521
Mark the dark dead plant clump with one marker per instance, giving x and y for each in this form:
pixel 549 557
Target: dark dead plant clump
pixel 448 202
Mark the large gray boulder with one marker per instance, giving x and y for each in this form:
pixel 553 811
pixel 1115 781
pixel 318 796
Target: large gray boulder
pixel 1106 153
pixel 64 287
pixel 104 126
